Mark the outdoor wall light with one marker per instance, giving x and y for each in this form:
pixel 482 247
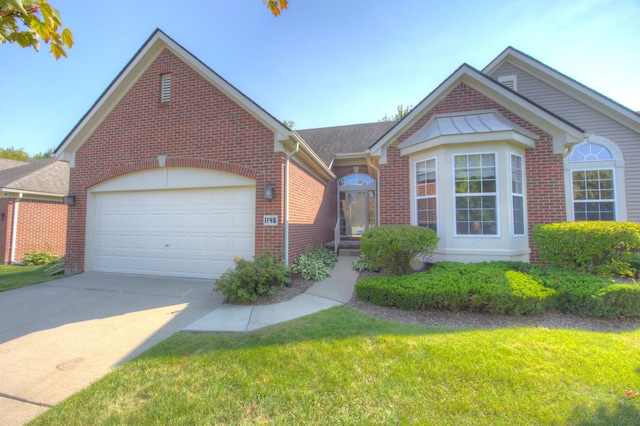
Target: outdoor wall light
pixel 69 200
pixel 267 192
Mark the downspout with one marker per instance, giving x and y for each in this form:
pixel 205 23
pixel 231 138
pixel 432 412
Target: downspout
pixel 14 230
pixel 286 201
pixel 370 164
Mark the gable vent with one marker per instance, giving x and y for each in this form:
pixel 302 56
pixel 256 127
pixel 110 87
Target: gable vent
pixel 166 88
pixel 509 81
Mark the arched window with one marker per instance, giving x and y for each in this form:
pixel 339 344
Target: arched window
pixel 356 179
pixel 592 167
pixel 590 152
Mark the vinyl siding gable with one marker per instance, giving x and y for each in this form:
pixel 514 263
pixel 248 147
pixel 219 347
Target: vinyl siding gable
pixel 589 119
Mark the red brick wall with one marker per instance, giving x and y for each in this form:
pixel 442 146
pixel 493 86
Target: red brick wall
pixel 42 226
pixel 199 127
pixel 312 211
pixel 544 170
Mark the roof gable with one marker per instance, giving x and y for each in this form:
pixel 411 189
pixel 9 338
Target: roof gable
pixel 563 133
pixel 567 85
pixel 130 74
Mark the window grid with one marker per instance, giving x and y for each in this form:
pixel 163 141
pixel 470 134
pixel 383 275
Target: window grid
pixel 593 194
pixel 476 194
pixel 426 194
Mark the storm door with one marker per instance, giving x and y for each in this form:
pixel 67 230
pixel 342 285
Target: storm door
pixel 356 204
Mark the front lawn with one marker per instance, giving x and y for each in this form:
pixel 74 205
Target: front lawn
pixel 13 276
pixel 342 367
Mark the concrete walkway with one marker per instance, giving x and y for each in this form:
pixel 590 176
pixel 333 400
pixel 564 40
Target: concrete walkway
pixel 333 291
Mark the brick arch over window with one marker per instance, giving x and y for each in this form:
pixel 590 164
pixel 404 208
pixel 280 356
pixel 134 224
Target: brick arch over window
pixel 152 163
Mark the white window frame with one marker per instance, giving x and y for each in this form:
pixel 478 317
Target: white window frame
pixel 616 164
pixel 599 200
pixel 417 197
pixel 495 194
pixel 520 195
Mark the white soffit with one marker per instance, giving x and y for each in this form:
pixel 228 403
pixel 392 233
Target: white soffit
pixel 472 126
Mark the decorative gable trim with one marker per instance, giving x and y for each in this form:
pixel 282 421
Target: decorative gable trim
pixel 567 85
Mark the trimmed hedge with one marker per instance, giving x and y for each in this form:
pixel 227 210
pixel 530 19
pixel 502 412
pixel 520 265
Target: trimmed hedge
pixel 502 288
pixel 394 247
pixel 603 248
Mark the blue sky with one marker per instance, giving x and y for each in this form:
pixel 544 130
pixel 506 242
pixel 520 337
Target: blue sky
pixel 322 62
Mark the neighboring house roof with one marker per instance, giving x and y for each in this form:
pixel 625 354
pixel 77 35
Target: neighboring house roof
pixel 8 164
pixel 327 142
pixel 566 85
pixel 46 177
pixel 563 132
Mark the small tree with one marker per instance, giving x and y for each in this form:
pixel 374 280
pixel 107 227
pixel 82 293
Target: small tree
pixel 400 113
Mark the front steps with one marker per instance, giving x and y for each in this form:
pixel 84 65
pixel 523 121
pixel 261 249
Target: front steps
pixel 347 247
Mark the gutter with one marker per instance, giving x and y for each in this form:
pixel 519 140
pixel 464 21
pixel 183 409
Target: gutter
pixel 14 229
pixel 286 197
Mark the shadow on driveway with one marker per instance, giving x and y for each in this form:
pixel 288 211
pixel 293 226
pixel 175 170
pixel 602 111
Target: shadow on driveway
pixel 58 337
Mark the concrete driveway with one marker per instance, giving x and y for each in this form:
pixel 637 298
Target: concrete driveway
pixel 58 337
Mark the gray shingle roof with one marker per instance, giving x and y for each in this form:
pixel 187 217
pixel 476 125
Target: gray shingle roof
pixel 355 138
pixel 46 176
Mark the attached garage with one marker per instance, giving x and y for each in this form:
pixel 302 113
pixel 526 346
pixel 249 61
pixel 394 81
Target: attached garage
pixel 171 221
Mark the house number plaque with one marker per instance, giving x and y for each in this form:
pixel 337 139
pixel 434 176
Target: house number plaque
pixel 270 220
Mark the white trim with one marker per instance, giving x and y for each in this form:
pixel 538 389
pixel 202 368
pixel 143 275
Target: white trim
pixel 14 229
pixel 617 165
pixel 414 196
pixel 515 194
pixel 496 194
pixel 563 134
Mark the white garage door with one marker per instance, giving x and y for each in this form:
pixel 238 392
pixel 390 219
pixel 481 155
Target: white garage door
pixel 178 232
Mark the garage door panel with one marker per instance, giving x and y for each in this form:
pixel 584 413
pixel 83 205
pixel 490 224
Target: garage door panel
pixel 187 232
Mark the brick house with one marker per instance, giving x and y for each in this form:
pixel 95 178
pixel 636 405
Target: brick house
pixel 33 216
pixel 175 171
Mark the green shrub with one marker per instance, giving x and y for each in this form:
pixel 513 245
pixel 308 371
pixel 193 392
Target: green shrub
pixel 250 279
pixel 39 258
pixel 503 288
pixel 395 247
pixel 595 247
pixel 57 265
pixel 361 264
pixel 315 265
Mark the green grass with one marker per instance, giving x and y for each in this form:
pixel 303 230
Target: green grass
pixel 12 276
pixel 342 367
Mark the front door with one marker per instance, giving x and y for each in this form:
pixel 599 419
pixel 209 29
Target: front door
pixel 357 212
pixel 356 205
